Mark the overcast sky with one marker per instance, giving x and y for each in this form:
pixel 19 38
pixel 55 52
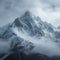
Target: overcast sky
pixel 48 10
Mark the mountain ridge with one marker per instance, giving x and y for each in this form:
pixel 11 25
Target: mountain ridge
pixel 37 35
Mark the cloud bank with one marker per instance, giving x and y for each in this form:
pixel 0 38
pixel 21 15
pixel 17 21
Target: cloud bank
pixel 48 10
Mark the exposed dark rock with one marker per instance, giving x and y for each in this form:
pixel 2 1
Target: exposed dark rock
pixel 22 56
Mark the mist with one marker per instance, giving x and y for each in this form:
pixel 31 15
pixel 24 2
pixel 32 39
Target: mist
pixel 47 10
pixel 44 45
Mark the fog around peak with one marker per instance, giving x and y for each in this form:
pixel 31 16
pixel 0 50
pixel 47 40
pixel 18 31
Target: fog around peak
pixel 47 10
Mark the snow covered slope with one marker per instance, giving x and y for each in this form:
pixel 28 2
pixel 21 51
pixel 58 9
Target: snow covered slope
pixel 30 34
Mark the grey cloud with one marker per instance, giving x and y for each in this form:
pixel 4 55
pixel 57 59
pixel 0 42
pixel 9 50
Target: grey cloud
pixel 51 4
pixel 10 9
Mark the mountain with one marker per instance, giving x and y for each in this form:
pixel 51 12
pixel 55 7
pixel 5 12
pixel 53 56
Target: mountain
pixel 45 25
pixel 27 23
pixel 28 34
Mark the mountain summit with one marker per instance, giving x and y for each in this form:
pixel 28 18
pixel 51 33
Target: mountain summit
pixel 27 23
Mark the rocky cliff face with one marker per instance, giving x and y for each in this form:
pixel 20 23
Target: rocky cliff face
pixel 25 38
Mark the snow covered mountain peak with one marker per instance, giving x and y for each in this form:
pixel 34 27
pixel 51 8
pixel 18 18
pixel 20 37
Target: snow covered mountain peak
pixel 27 13
pixel 29 29
pixel 26 23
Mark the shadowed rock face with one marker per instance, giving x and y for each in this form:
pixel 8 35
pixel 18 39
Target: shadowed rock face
pixel 22 56
pixel 34 56
pixel 57 35
pixel 56 58
pixel 18 23
pixel 27 23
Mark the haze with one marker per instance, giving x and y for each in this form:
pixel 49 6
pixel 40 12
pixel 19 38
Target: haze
pixel 48 10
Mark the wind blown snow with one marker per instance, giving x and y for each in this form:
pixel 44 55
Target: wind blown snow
pixel 43 45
